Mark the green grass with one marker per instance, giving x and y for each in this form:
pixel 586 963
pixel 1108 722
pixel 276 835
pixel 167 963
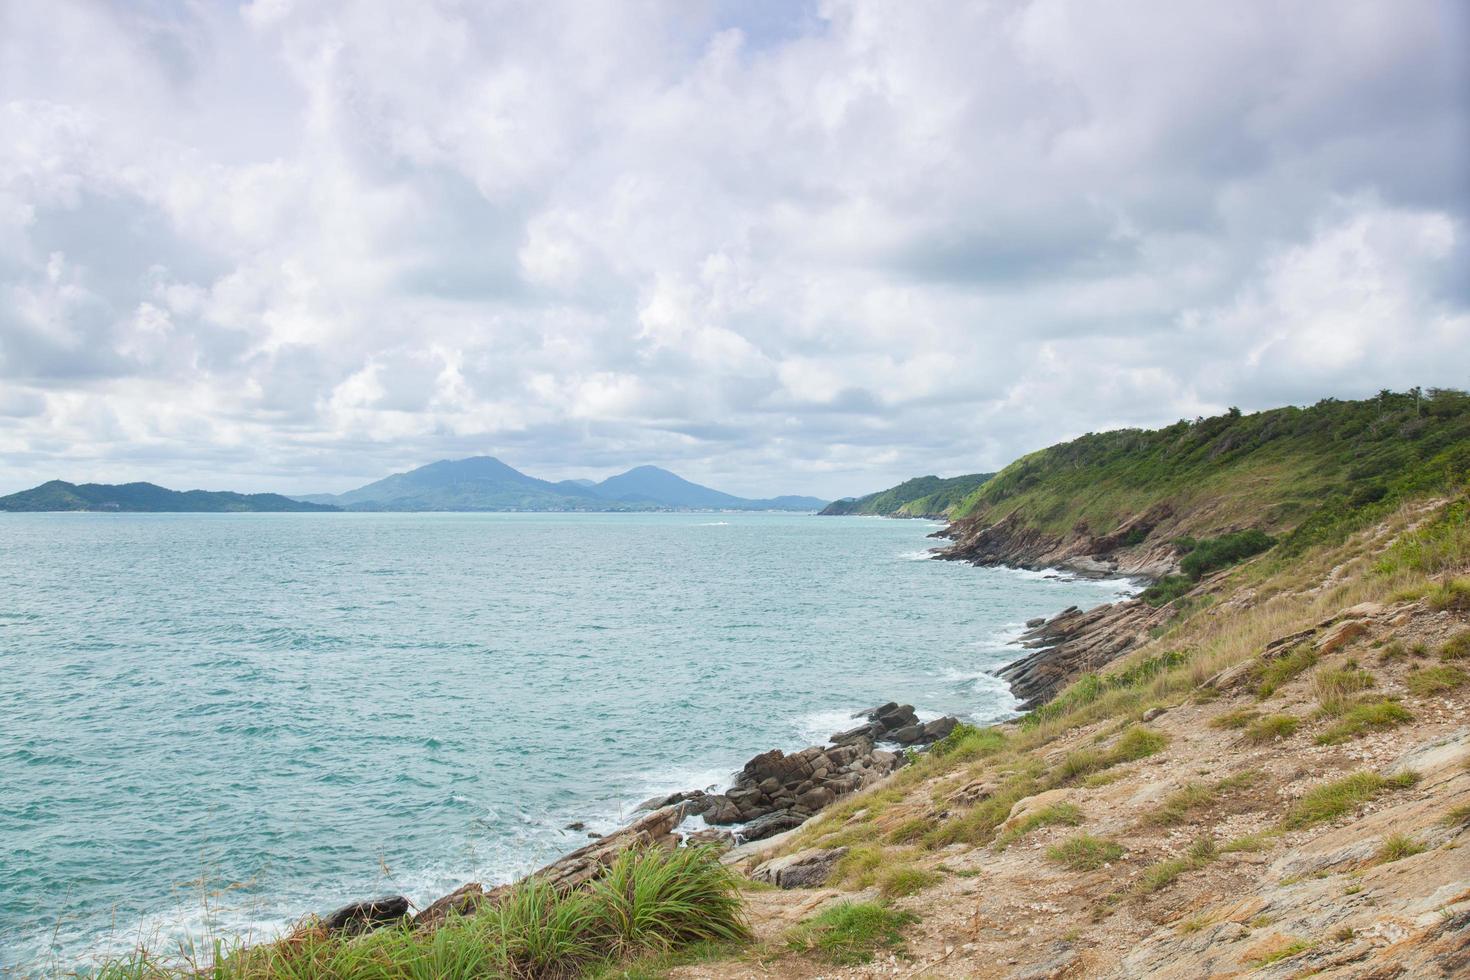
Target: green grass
pixel 1270 728
pixel 1457 816
pixel 1239 718
pixel 1166 590
pixel 1453 595
pixel 1285 952
pixel 1364 717
pixel 849 933
pixel 1058 814
pixel 1334 688
pixel 1164 873
pixel 648 902
pixel 1396 847
pixel 1275 673
pixel 1430 681
pixel 967 742
pixel 1137 743
pixel 1084 852
pixel 1456 647
pixel 908 880
pixel 1332 800
pixel 1212 554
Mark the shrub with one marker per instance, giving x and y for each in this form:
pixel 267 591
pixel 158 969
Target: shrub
pixel 1331 800
pixel 1365 717
pixel 1166 590
pixel 1271 728
pixel 1430 681
pixel 651 899
pixel 1084 852
pixel 850 932
pixel 1213 553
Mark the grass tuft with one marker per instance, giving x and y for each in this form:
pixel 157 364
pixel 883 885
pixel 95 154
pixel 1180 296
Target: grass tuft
pixel 849 933
pixel 907 880
pixel 1280 671
pixel 1084 852
pixel 1430 681
pixel 1396 847
pixel 1453 595
pixel 1271 728
pixel 1058 814
pixel 1364 717
pixel 1331 800
pixel 1456 647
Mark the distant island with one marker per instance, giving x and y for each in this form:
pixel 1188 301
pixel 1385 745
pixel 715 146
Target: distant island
pixel 479 483
pixel 58 495
pixel 923 496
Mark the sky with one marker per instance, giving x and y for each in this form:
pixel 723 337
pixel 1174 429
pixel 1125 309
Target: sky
pixel 777 247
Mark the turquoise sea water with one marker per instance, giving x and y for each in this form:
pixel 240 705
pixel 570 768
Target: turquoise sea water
pixel 216 723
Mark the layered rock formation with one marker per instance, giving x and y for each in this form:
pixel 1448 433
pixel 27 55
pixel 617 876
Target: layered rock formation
pixel 1075 641
pixel 775 792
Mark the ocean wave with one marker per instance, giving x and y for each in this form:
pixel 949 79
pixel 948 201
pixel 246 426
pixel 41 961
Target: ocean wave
pixel 714 524
pixel 924 555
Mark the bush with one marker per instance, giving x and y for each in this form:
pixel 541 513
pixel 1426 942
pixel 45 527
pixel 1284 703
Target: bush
pixel 1166 590
pixel 1214 553
pixel 849 933
pixel 651 899
pixel 1084 852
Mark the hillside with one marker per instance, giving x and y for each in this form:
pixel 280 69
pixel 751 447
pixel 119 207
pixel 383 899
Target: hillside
pixel 923 496
pixel 484 483
pixel 58 495
pixel 1119 499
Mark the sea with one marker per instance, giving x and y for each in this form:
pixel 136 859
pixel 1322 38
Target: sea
pixel 213 724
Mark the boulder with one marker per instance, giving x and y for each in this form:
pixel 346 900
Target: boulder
pixel 940 728
pixel 805 869
pixel 366 915
pixel 907 735
pixel 771 824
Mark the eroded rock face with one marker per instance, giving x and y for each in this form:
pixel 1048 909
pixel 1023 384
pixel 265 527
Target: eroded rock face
pixel 1075 641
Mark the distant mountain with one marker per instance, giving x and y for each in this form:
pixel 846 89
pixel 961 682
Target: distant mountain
pixel 923 496
pixel 484 483
pixel 645 483
pixel 146 497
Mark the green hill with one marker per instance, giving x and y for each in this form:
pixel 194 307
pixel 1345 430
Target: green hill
pixel 923 496
pixel 1302 474
pixel 146 497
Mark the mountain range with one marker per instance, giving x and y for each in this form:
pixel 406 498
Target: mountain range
pixel 486 483
pixel 479 483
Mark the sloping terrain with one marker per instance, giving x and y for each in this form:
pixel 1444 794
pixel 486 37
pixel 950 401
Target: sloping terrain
pixel 923 496
pixel 1276 784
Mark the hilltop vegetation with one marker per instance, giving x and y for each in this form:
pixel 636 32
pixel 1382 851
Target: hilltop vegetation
pixel 1302 476
pixel 58 495
pixel 923 496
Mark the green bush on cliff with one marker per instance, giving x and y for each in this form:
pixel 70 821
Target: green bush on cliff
pixel 1226 550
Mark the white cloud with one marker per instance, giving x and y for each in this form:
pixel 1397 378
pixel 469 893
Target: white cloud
pixel 296 245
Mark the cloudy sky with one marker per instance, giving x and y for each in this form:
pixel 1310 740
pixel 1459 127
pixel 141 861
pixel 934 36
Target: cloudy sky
pixel 778 247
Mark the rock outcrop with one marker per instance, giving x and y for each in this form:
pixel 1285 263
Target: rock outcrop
pixel 1075 641
pixel 366 915
pixel 776 791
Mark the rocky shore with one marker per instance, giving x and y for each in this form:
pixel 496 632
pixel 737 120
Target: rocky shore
pixel 774 792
